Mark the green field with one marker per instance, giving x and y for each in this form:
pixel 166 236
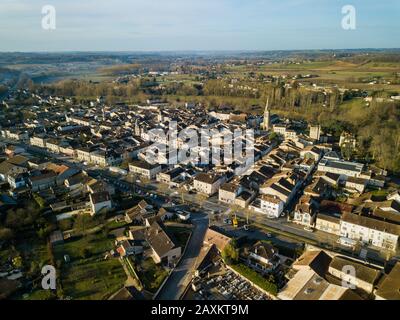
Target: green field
pixel 88 275
pixel 330 71
pixel 150 274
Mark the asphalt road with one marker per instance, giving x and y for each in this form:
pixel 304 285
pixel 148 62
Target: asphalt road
pixel 182 274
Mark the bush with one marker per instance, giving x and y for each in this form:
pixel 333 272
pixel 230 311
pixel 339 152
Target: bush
pixel 230 253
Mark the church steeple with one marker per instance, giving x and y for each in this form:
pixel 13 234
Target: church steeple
pixel 267 117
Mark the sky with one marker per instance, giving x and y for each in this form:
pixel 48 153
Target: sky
pixel 175 25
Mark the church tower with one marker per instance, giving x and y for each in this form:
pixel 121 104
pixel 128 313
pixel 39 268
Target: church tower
pixel 267 117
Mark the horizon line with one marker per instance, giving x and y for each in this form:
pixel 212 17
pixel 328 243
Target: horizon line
pixel 200 50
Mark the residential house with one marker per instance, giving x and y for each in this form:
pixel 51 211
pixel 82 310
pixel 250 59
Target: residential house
pixel 100 201
pixel 83 154
pixel 332 178
pixel 144 169
pixel 16 180
pixel 164 249
pixel 315 260
pixel 305 212
pixel 356 184
pixel 129 248
pixel 8 168
pixel 138 213
pixel 76 181
pixel 164 214
pixel 329 216
pixel 12 150
pixel 228 192
pixel 318 188
pixel 283 185
pixel 262 257
pixel 63 172
pixel 104 158
pixel 119 234
pixel 370 230
pixel 42 180
pixel 208 183
pixel 94 186
pixel 268 204
pixel 52 145
pixel 38 164
pixel 245 198
pixel 38 141
pixel 170 175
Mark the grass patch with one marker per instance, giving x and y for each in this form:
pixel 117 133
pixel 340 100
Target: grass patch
pixel 181 234
pixel 88 276
pixel 151 275
pixel 92 279
pixel 380 193
pixel 40 294
pixel 116 225
pixel 256 278
pixel 35 251
pixel 286 251
pixel 286 234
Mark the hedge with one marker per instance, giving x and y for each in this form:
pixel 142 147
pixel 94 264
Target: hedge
pixel 256 278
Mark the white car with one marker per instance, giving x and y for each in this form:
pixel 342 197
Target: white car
pixel 308 229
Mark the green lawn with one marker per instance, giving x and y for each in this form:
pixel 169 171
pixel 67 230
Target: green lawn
pixel 380 193
pixel 116 225
pixel 181 234
pixel 35 250
pixel 286 234
pixel 88 276
pixel 40 294
pixel 151 275
pixel 256 278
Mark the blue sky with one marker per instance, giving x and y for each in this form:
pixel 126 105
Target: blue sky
pixel 160 25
